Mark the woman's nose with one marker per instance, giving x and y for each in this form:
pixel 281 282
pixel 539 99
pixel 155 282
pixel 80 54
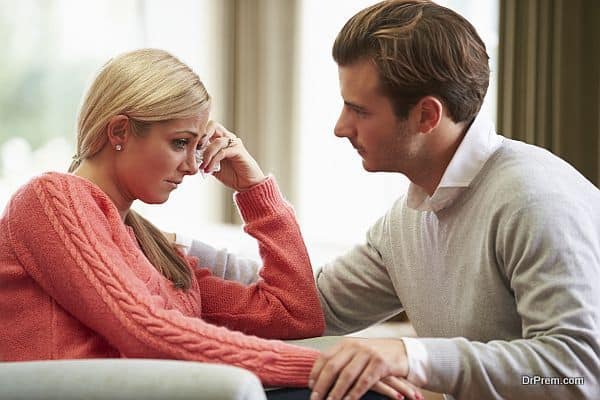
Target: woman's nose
pixel 192 163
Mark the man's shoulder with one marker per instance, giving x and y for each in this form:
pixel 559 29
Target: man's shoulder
pixel 522 167
pixel 519 174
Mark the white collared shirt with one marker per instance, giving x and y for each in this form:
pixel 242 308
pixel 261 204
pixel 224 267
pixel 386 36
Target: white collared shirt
pixel 479 143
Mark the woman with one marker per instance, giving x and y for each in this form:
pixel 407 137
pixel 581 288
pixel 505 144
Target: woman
pixel 92 278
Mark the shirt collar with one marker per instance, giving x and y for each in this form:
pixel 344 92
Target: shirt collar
pixel 479 143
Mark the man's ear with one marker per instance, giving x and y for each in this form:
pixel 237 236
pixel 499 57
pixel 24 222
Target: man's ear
pixel 430 111
pixel 118 130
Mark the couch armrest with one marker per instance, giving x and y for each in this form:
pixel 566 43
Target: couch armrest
pixel 124 379
pixel 320 343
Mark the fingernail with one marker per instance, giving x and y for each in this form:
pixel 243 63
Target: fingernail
pixel 314 396
pixel 311 383
pixel 400 396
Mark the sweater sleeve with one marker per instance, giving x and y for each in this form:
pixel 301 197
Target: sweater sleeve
pixel 283 304
pixel 355 289
pixel 551 257
pixel 65 239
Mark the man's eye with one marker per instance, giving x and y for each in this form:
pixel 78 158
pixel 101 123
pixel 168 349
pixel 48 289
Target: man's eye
pixel 180 144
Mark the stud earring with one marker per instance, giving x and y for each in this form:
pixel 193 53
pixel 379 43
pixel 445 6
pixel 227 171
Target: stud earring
pixel 118 147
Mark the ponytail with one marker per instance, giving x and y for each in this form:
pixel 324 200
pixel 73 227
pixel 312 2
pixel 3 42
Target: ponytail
pixel 155 246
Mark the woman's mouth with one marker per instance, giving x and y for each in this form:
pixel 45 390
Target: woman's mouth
pixel 173 184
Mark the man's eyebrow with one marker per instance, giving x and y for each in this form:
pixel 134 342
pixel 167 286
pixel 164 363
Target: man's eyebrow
pixel 353 105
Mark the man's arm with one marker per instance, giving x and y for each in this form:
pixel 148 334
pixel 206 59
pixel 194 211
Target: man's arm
pixel 220 262
pixel 355 289
pixel 551 257
pixel 224 264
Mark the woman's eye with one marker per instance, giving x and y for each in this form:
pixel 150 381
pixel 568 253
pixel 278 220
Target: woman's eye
pixel 180 144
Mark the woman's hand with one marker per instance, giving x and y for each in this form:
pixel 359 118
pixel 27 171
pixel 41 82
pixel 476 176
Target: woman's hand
pixel 353 366
pixel 238 169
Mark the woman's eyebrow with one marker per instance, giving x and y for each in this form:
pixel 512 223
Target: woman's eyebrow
pixel 187 131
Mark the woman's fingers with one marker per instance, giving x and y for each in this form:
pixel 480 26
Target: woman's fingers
pixel 225 155
pixel 219 149
pixel 403 387
pixel 387 391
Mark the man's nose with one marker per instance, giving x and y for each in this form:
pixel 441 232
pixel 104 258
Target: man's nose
pixel 343 126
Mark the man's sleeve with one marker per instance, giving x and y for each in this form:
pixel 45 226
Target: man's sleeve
pixel 355 289
pixel 221 263
pixel 551 257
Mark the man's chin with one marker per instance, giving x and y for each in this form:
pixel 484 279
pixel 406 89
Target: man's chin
pixel 369 167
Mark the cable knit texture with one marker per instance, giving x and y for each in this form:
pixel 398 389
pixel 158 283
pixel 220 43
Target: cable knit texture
pixel 75 284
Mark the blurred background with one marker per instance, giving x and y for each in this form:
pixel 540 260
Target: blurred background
pixel 268 67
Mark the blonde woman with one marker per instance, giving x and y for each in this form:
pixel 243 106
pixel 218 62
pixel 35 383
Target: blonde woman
pixel 94 279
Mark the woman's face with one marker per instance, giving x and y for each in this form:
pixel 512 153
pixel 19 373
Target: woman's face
pixel 151 166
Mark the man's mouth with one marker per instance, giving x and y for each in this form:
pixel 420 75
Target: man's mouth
pixel 359 149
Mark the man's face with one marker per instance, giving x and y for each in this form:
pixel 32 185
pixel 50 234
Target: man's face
pixel 384 141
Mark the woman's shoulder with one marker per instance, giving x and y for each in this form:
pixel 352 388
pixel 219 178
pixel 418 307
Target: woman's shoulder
pixel 61 189
pixel 63 182
pixel 58 178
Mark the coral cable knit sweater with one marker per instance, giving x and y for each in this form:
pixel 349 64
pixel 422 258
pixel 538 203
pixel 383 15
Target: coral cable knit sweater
pixel 75 284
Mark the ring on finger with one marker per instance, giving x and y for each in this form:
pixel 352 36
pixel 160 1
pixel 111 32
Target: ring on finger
pixel 230 142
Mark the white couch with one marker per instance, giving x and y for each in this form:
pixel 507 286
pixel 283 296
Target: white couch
pixel 133 379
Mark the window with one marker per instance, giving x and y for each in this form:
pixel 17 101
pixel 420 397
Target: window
pixel 51 49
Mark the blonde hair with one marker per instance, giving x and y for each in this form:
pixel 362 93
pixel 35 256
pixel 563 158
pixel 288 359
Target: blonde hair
pixel 147 85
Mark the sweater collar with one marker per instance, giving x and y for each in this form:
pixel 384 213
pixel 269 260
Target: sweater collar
pixel 479 143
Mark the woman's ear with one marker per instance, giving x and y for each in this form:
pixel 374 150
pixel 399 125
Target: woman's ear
pixel 118 130
pixel 431 111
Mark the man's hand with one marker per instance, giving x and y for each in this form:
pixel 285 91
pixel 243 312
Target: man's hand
pixel 353 366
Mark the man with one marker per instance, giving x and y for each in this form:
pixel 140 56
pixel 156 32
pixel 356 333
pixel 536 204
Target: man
pixel 494 253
